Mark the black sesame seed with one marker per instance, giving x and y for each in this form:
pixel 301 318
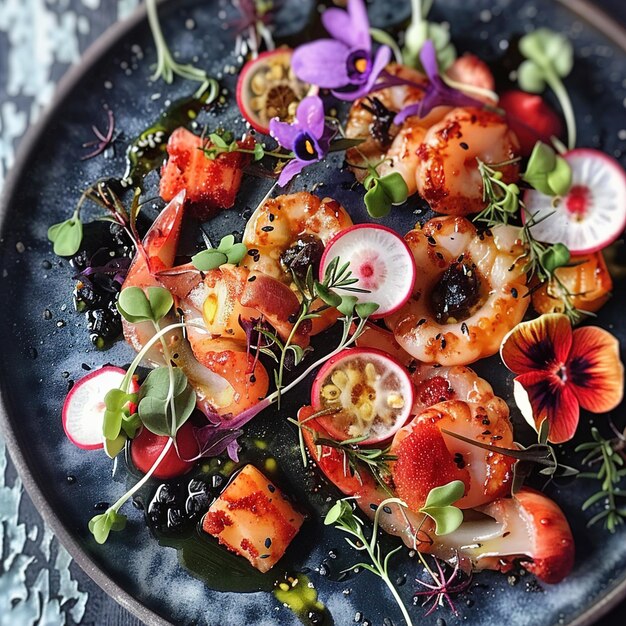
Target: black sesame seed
pixel 373 506
pixel 422 321
pixel 264 556
pixel 464 329
pixel 387 510
pixel 443 343
pixel 271 488
pixel 431 240
pixel 439 256
pixel 497 437
pixel 514 292
pixel 251 279
pixel 268 542
pixel 486 432
pixel 271 217
pixel 253 252
pixel 486 421
pixel 267 229
pixel 464 145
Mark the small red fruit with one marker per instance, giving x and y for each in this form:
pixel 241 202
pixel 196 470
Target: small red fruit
pixel 146 447
pixel 530 118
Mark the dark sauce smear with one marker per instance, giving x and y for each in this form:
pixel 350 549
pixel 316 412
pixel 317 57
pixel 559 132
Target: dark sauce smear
pixel 304 253
pixel 457 291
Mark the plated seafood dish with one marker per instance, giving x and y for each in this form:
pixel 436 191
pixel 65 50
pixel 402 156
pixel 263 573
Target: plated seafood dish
pixel 363 363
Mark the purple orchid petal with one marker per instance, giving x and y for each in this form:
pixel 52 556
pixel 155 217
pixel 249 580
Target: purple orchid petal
pixel 351 27
pixel 383 56
pixel 285 134
pixel 291 169
pixel 428 57
pixel 310 116
pixel 323 63
pixel 409 111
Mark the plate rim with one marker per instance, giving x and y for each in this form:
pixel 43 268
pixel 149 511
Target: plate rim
pixel 596 17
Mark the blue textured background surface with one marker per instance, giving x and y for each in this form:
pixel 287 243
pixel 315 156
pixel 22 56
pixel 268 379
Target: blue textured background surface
pixel 38 40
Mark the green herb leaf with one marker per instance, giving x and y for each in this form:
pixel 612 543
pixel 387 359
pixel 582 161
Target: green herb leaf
pixel 134 305
pixel 395 187
pixel 376 200
pixel 548 49
pixel 326 295
pixel 217 140
pixel 439 506
pixel 560 178
pixel 155 409
pixel 209 260
pixel 344 143
pixel 226 243
pixel 555 256
pixel 66 236
pixel 112 447
pixel 116 402
pixel 161 302
pixel 337 512
pixel 531 77
pixel 237 253
pixel 366 309
pixel 347 305
pixel 259 151
pixel 101 525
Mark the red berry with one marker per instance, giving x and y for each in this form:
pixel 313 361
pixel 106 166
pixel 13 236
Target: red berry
pixel 146 447
pixel 530 118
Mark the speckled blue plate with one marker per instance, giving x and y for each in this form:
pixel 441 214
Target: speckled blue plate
pixel 45 184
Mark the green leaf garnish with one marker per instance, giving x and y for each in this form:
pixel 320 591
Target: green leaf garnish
pixel 547 172
pixel 136 307
pixel 101 525
pixel 439 507
pixel 549 59
pixel 557 255
pixel 66 236
pixel 383 193
pixel 226 252
pixel 166 400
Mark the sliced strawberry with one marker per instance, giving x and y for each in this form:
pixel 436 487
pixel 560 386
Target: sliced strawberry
pixel 211 184
pixel 423 462
pixel 530 118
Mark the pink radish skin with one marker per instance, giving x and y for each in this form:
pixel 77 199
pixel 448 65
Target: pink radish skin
pixel 370 263
pixel 406 387
pixel 576 202
pixel 89 437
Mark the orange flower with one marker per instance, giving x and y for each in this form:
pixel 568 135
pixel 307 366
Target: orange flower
pixel 560 370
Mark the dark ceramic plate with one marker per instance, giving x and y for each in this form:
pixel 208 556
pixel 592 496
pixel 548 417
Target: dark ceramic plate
pixel 45 184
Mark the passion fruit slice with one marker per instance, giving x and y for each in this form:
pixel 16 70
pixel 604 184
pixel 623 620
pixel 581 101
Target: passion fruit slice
pixel 268 88
pixel 371 392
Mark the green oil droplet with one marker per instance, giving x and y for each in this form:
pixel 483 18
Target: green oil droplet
pixel 298 593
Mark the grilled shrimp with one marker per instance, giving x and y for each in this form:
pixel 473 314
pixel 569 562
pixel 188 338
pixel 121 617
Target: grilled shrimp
pixel 447 168
pixel 470 291
pixel 288 234
pixel 214 389
pixel 392 147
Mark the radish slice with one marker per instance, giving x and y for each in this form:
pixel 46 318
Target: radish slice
pixel 380 260
pixel 268 88
pixel 83 410
pixel 371 391
pixel 593 214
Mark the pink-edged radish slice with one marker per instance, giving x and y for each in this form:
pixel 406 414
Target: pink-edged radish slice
pixel 371 391
pixel 83 410
pixel 380 260
pixel 593 213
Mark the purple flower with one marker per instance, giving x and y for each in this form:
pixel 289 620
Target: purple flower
pixel 343 64
pixel 308 137
pixel 436 93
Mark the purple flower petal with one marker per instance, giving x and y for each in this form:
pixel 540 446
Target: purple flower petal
pixel 351 27
pixel 428 57
pixel 383 56
pixel 322 63
pixel 310 116
pixel 409 111
pixel 285 134
pixel 291 169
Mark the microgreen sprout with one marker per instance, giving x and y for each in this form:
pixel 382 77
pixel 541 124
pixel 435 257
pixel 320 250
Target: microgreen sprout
pixel 165 400
pixel 443 588
pixel 167 67
pixel 226 252
pixel 102 140
pixel 439 506
pixel 253 26
pixel 547 171
pixel 421 30
pixel 609 455
pixel 549 59
pixel 342 517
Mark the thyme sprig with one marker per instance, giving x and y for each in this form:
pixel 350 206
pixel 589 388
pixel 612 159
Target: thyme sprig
pixel 167 67
pixel 375 460
pixel 342 517
pixel 609 454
